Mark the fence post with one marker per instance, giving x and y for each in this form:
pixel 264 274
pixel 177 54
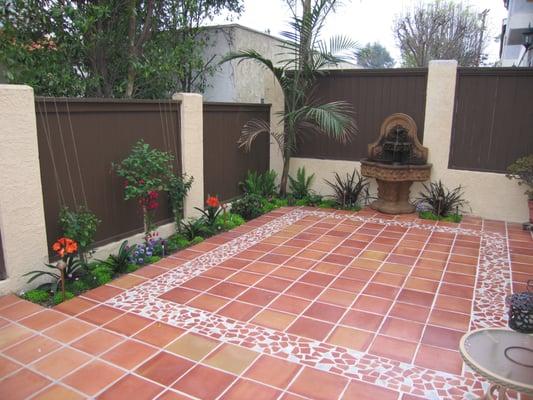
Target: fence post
pixel 192 148
pixel 440 99
pixel 21 198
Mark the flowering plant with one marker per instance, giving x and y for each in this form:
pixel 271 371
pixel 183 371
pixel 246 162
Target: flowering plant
pixel 213 209
pixel 65 247
pixel 153 246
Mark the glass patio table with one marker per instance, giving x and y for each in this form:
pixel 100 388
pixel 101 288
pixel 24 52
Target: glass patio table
pixel 502 356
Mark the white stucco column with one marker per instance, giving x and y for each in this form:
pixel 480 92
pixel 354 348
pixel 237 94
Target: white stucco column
pixel 274 96
pixel 192 149
pixel 22 221
pixel 440 98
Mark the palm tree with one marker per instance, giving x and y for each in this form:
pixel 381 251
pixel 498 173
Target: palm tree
pixel 304 56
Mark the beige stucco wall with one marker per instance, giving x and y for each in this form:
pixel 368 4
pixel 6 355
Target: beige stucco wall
pixel 192 149
pixel 21 201
pixel 490 195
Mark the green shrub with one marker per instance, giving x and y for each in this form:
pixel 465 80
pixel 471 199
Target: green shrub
pixel 301 186
pixel 260 184
pixel 249 206
pixel 37 296
pixel 327 203
pixel 80 226
pixel 449 218
pixel 132 268
pixel 196 240
pixel 194 227
pixel 441 201
pixel 313 200
pixel 101 273
pixel 178 188
pixel 228 221
pixel 349 192
pixel 78 286
pixel 58 297
pixel 522 171
pixel 272 204
pixel 118 263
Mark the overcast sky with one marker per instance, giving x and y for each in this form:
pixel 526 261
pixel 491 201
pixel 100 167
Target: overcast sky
pixel 363 20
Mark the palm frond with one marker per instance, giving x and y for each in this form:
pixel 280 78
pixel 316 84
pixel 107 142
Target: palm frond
pixel 334 119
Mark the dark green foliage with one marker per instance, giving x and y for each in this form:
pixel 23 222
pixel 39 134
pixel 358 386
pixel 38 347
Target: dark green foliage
pixel 197 240
pixel 78 286
pixel 349 192
pixel 75 269
pixel 449 218
pixel 272 204
pixel 260 184
pixel 193 228
pixel 178 188
pixel 118 263
pixel 522 171
pixel 441 201
pixel 37 296
pixel 100 273
pixel 79 225
pixel 313 200
pixel 327 203
pixel 228 221
pixel 301 186
pixel 249 206
pixel 58 297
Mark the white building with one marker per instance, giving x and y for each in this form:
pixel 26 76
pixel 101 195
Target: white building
pixel 519 20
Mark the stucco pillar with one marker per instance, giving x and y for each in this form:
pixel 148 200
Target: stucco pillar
pixel 440 99
pixel 192 149
pixel 22 221
pixel 274 96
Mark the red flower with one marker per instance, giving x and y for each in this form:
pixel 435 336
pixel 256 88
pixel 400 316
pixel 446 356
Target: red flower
pixel 212 201
pixel 65 246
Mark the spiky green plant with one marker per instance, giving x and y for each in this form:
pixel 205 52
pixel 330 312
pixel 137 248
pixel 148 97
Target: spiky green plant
pixel 263 185
pixel 301 186
pixel 304 55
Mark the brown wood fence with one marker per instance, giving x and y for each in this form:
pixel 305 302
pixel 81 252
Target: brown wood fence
pixel 374 95
pixel 79 139
pixel 225 164
pixel 493 118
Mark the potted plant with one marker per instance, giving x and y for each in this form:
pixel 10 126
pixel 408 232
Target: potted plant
pixel 522 171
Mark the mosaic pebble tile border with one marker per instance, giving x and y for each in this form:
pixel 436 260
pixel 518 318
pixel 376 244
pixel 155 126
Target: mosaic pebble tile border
pixel 492 286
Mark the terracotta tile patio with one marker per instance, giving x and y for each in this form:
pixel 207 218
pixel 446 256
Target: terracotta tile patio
pixel 298 304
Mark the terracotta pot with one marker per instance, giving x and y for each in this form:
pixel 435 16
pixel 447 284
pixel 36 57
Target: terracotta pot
pixel 530 204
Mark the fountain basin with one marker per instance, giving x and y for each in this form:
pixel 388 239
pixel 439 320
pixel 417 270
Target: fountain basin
pixel 394 183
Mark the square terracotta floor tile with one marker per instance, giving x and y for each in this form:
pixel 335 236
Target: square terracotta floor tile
pixel 310 328
pixel 159 334
pixel 293 305
pixel 171 395
pixel 179 295
pixel 11 334
pixel 464 292
pixel 102 293
pixel 348 285
pixel 427 273
pixel 245 278
pixel 43 320
pixel 423 299
pixel 7 367
pixel 337 297
pixel 288 273
pixel 230 358
pixel 192 346
pixel 100 315
pixel 350 338
pixel 317 278
pixel 20 310
pixel 388 279
pixel 131 387
pixel 204 383
pixel 58 392
pixel 379 290
pixel 127 281
pixel 273 371
pixel 164 368
pixel 456 304
pixel 129 354
pixel 31 349
pixel 128 324
pixel 423 285
pixel 200 283
pixel 245 389
pixel 217 273
pixel 392 348
pixel 75 306
pixel 69 330
pixel 21 385
pixel 303 290
pixel 442 337
pixel 97 342
pixel 61 362
pixel 239 311
pixel 402 329
pixel 448 360
pixel 208 302
pixel 410 312
pixel 150 271
pixel 258 297
pixel 365 391
pixel 318 385
pixel 273 319
pixel 449 319
pixel 324 312
pixel 93 377
pixel 226 289
pixel 377 305
pixel 328 268
pixel 273 284
pixel 362 320
pixel 8 300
